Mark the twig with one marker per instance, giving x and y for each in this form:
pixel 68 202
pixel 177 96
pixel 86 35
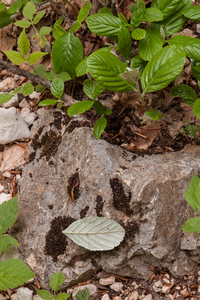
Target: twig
pixel 101 3
pixel 63 15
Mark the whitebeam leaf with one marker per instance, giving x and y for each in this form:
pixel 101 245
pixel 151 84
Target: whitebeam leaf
pixel 95 233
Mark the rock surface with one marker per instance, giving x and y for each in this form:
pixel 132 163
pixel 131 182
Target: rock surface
pixel 72 175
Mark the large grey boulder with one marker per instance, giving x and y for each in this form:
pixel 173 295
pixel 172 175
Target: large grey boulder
pixel 73 175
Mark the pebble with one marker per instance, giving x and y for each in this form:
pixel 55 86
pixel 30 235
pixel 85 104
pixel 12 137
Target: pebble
pixel 27 116
pixel 165 289
pixel 37 297
pixel 40 112
pixel 1 297
pixel 4 197
pixel 117 298
pixel 105 297
pixel 13 102
pixel 7 84
pixel 198 28
pixel 166 280
pixel 107 281
pixel 24 293
pixel 24 104
pixel 158 284
pixel 148 297
pixel 133 296
pixel 1 188
pixel 16 77
pixel 14 296
pixel 34 95
pixel 117 286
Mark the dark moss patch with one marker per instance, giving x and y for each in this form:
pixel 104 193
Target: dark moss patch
pixel 73 187
pixel 30 175
pixel 50 163
pixel 50 206
pixel 134 157
pixel 99 206
pixel 76 124
pixel 82 257
pixel 50 142
pixel 83 212
pixel 31 157
pixel 35 142
pixel 40 130
pixel 131 228
pixel 55 240
pixel 120 200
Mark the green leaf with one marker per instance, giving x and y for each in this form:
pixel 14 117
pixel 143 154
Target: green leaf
pixel 108 112
pixel 5 98
pixel 91 89
pixel 15 6
pixel 195 65
pixel 132 75
pixel 2 6
pixel 45 30
pixel 96 233
pixel 137 13
pixel 98 107
pixel 40 88
pixel 105 68
pixel 64 76
pixel 196 108
pixel 192 195
pixel 82 68
pixel 152 42
pixel 152 14
pixel 57 87
pixel 162 69
pixel 15 57
pixel 8 211
pixel 84 12
pixel 38 17
pixel 44 41
pixel 79 107
pixel 138 34
pixel 59 104
pixel 62 296
pixel 16 91
pixel 104 24
pixel 192 225
pixel 192 13
pixel 58 22
pixel 123 19
pixel 58 31
pixel 83 295
pixel 67 53
pixel 35 56
pixel 138 62
pixel 154 115
pixel 189 45
pixel 124 42
pixel 47 102
pixel 75 26
pixel 28 89
pixel 105 10
pixel 13 272
pixel 7 243
pixel 186 92
pixel 167 7
pixel 23 23
pixel 6 18
pixel 46 295
pixel 56 280
pixel 29 11
pixel 173 24
pixel 39 70
pixel 99 128
pixel 23 43
pixel 49 75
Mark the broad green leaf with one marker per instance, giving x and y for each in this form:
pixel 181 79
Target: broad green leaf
pixel 39 70
pixel 15 6
pixel 35 56
pixel 7 243
pixel 58 31
pixel 16 91
pixel 152 42
pixel 95 233
pixel 2 6
pixel 186 92
pixel 138 34
pixel 13 272
pixel 58 22
pixel 82 68
pixel 40 88
pixel 195 65
pixel 155 115
pixel 132 75
pixel 23 23
pixel 64 76
pixel 28 89
pixel 47 102
pixel 56 280
pixel 105 10
pixel 105 68
pixel 124 42
pixel 75 26
pixel 38 17
pixel 15 57
pixel 123 19
pixel 189 45
pixel 44 294
pixel 6 18
pixel 8 211
pixel 98 107
pixel 192 225
pixel 104 24
pixel 173 24
pixel 162 69
pixel 49 75
pixel 196 109
pixel 62 296
pixel 192 13
pixel 192 195
pixel 167 7
pixel 83 295
pixel 44 30
pixel 108 112
pixel 137 13
pixel 44 41
pixel 99 127
pixel 84 12
pixel 152 14
pixel 67 53
pixel 23 43
pixel 57 87
pixel 91 89
pixel 29 11
pixel 138 62
pixel 5 98
pixel 79 107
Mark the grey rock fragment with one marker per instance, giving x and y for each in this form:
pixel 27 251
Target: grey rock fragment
pixel 105 297
pixel 14 296
pixel 24 293
pixel 7 84
pixel 27 116
pixel 13 102
pixel 117 286
pixel 133 296
pixel 148 297
pixel 107 281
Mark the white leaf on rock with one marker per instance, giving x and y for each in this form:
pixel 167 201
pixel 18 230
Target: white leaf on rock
pixel 95 233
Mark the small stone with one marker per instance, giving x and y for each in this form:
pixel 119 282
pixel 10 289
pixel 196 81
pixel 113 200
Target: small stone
pixel 184 291
pixel 170 297
pixel 107 281
pixel 158 284
pixel 40 112
pixel 157 289
pixel 37 297
pixel 166 280
pixel 28 116
pixel 13 102
pixel 105 297
pixel 35 95
pixel 31 280
pixel 13 297
pixel 91 288
pixel 117 286
pixel 24 293
pixel 7 174
pixel 7 84
pixel 165 289
pixel 198 28
pixel 148 297
pixel 1 188
pixel 198 273
pixel 24 104
pixel 4 197
pixel 177 288
pixel 133 296
pixel 16 77
pixel 117 298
